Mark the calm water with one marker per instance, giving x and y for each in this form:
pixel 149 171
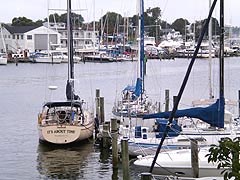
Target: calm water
pixel 23 89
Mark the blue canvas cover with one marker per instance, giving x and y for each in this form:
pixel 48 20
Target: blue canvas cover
pixel 161 126
pixel 213 114
pixel 138 89
pixel 129 88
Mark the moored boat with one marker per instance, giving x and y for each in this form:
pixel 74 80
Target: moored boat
pixel 65 122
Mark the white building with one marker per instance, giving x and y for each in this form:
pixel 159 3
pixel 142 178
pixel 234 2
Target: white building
pixel 31 38
pixel 35 38
pixel 82 39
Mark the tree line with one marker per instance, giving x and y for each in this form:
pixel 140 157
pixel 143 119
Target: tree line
pixel 113 23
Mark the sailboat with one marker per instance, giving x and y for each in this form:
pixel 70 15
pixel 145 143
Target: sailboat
pixel 65 122
pixel 178 162
pixel 3 59
pixel 144 140
pixel 3 56
pixel 134 102
pixel 46 56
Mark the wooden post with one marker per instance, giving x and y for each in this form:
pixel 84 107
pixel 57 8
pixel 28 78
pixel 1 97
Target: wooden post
pixel 101 110
pixel 166 100
pixel 239 103
pixel 97 102
pixel 146 176
pixel 159 107
pixel 115 174
pixel 125 158
pixel 114 133
pixel 105 136
pixel 174 102
pixel 194 158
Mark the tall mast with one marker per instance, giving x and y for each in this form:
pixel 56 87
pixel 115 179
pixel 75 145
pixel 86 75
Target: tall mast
pixel 94 27
pixel 48 38
pixel 70 82
pixel 221 64
pixel 141 42
pixel 183 85
pixel 70 43
pixel 221 59
pixel 3 41
pixel 210 54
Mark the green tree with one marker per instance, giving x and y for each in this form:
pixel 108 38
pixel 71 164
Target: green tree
pixel 226 154
pixel 54 18
pixel 199 25
pixel 39 22
pixel 77 19
pixel 110 21
pixel 22 21
pixel 152 18
pixel 180 25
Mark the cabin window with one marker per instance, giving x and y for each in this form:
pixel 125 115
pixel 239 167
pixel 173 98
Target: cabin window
pixel 17 36
pixel 21 36
pixel 29 37
pixel 13 36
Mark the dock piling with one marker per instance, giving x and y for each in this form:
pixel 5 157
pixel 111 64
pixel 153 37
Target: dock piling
pixel 166 100
pixel 194 158
pixel 114 134
pixel 106 139
pixel 125 158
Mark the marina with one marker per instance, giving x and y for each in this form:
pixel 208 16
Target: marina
pixel 80 103
pixel 23 88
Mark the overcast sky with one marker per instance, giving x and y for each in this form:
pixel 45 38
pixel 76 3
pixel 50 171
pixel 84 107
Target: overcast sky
pixel 171 9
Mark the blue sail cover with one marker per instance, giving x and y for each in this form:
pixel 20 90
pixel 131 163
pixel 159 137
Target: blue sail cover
pixel 213 114
pixel 161 126
pixel 129 88
pixel 138 89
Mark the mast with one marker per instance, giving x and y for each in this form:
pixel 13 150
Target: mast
pixel 3 41
pixel 210 54
pixel 48 38
pixel 70 82
pixel 221 61
pixel 183 85
pixel 141 43
pixel 70 41
pixel 94 27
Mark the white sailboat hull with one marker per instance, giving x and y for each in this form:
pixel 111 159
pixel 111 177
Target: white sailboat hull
pixel 178 162
pixel 65 134
pixel 47 60
pixel 64 123
pixel 148 143
pixel 3 61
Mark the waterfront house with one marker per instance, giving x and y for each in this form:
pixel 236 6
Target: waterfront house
pixel 82 39
pixel 30 38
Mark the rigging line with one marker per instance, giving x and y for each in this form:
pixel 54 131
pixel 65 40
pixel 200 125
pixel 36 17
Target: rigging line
pixel 87 128
pixel 157 85
pixel 165 6
pixel 183 84
pixel 117 82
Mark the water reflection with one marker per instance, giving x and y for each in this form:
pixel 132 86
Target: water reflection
pixel 71 162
